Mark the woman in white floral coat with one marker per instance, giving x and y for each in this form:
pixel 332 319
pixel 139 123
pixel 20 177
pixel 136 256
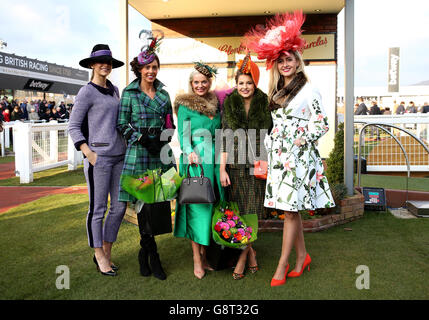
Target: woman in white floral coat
pixel 295 180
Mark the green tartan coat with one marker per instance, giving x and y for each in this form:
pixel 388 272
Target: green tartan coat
pixel 137 111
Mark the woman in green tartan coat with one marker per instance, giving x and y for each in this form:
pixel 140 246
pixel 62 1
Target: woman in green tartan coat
pixel 198 118
pixel 144 109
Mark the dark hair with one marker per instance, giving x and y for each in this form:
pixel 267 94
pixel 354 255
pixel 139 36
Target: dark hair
pixel 136 66
pixel 239 73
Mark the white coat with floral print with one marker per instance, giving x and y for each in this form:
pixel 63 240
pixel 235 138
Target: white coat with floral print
pixel 296 179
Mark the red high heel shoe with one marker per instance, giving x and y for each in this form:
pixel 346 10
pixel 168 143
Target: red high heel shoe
pixel 275 282
pixel 294 274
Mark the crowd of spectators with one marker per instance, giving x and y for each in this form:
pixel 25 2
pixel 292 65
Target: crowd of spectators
pixel 362 109
pixel 12 110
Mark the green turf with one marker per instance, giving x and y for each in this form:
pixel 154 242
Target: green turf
pixel 59 176
pixel 393 182
pixel 7 159
pixel 37 237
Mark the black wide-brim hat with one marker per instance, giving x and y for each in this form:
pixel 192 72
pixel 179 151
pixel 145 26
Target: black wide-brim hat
pixel 100 53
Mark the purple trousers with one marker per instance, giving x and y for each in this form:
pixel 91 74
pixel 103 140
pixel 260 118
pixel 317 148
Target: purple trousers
pixel 103 180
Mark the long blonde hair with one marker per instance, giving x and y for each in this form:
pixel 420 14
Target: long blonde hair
pixel 275 75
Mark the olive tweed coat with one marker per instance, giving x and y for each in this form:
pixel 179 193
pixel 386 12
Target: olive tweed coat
pixel 138 111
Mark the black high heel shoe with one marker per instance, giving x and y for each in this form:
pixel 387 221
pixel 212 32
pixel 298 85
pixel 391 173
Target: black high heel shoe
pixel 114 268
pixel 111 273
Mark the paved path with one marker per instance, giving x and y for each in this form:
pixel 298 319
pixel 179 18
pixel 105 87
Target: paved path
pixel 11 197
pixel 7 170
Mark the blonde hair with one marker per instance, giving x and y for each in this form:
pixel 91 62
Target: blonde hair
pixel 275 75
pixel 191 78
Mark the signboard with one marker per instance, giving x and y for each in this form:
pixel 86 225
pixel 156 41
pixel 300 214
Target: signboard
pixel 26 64
pixel 319 47
pixel 375 198
pixel 38 85
pixel 393 74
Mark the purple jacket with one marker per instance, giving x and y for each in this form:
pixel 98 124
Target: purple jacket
pixel 93 120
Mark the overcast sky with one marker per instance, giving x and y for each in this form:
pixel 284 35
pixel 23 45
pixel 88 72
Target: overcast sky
pixel 64 32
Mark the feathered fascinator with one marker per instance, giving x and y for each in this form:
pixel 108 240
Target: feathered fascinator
pixel 247 66
pixel 205 69
pixel 281 34
pixel 152 40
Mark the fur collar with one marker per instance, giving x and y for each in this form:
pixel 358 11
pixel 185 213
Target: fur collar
pixel 235 115
pixel 207 105
pixel 285 95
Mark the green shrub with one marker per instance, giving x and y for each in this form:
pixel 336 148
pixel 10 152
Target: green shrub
pixel 335 162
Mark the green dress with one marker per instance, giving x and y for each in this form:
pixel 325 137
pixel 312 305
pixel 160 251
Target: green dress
pixel 196 132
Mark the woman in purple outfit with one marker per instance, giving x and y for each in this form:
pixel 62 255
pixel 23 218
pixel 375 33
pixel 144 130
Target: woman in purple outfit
pixel 92 128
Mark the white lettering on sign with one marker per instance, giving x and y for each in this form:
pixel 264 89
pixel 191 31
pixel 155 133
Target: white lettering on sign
pixel 38 84
pixel 394 61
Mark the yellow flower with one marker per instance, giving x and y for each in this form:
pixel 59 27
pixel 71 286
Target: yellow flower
pixel 244 241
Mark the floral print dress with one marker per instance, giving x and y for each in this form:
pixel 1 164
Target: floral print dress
pixel 296 179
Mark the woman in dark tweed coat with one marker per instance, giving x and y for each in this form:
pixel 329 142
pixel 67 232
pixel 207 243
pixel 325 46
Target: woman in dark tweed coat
pixel 145 109
pixel 246 108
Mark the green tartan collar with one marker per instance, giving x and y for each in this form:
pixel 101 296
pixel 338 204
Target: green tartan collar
pixel 135 85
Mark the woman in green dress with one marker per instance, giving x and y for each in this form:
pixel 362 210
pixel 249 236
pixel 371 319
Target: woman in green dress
pixel 245 110
pixel 198 118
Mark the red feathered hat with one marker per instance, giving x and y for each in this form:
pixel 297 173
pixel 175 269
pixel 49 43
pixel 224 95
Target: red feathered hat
pixel 281 35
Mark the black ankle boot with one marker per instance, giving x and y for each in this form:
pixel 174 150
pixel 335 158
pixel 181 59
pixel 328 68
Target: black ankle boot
pixel 144 263
pixel 155 264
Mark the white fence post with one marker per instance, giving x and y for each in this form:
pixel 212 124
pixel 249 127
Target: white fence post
pixel 3 151
pixel 74 156
pixel 53 144
pixel 23 154
pixel 7 136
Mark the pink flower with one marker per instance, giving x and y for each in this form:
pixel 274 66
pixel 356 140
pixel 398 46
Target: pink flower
pixel 320 117
pixel 280 152
pixel 276 130
pixel 225 226
pixel 249 229
pixel 300 129
pixel 319 176
pixel 270 203
pixel 288 166
pixel 231 223
pixel 235 217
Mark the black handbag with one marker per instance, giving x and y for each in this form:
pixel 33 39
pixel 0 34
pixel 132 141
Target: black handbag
pixel 196 189
pixel 155 218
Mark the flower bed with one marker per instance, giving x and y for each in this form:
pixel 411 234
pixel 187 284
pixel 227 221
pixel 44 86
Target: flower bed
pixel 348 209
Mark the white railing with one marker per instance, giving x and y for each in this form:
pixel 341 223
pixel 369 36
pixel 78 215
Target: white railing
pixel 42 146
pixel 380 150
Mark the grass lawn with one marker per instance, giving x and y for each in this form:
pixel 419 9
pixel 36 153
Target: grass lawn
pixel 7 159
pixel 59 176
pixel 394 182
pixel 37 237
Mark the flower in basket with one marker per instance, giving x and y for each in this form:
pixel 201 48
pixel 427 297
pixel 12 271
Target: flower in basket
pixel 232 229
